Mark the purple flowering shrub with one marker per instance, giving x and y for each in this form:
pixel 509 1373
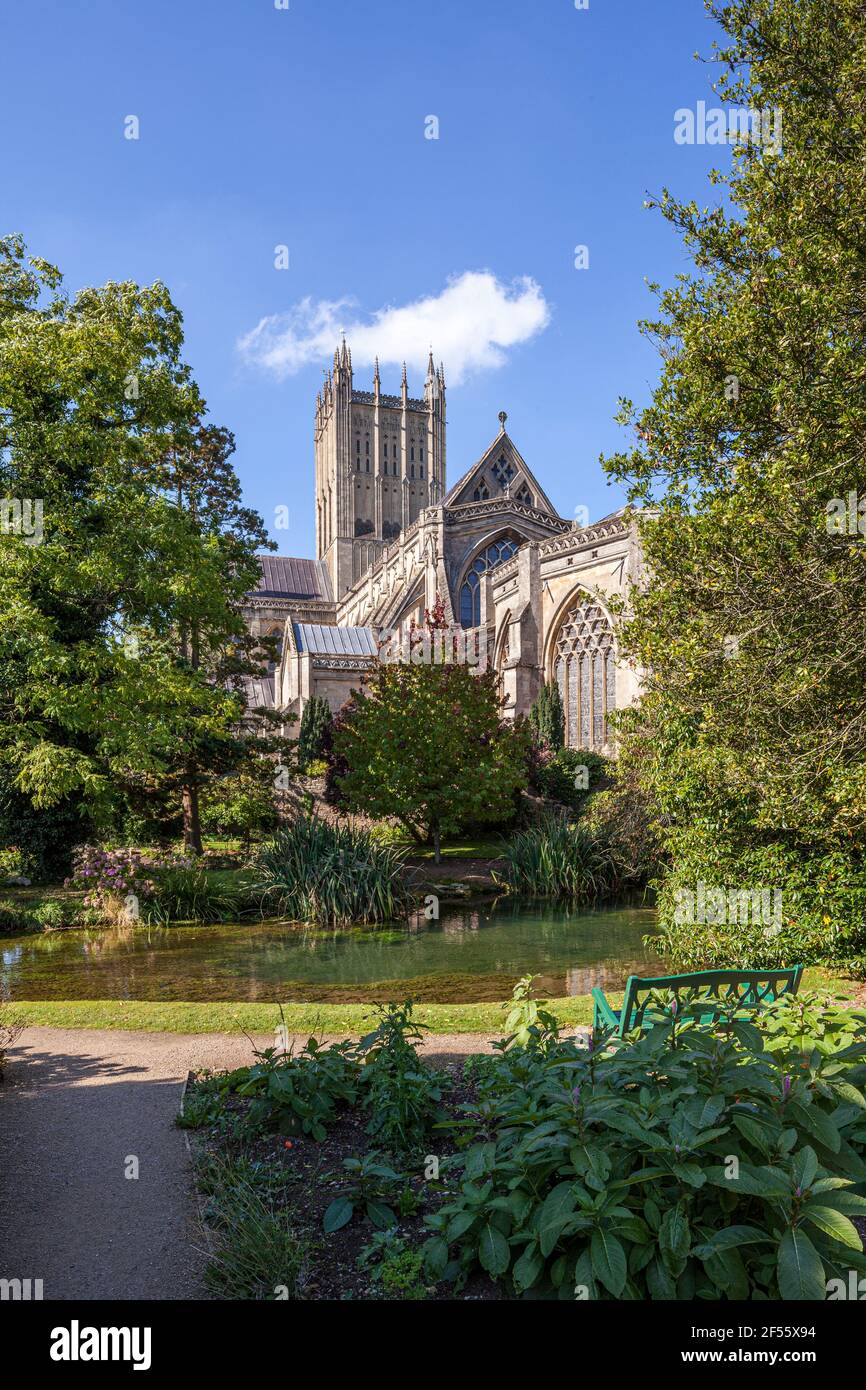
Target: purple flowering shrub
pixel 109 874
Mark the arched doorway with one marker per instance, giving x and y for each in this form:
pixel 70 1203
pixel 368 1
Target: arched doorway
pixel 584 658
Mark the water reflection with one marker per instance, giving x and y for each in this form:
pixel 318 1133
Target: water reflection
pixel 472 953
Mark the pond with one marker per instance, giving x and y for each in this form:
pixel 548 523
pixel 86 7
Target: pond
pixel 472 954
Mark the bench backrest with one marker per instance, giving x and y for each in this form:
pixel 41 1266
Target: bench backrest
pixel 747 990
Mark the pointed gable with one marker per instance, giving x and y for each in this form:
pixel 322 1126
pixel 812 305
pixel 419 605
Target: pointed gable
pixel 500 471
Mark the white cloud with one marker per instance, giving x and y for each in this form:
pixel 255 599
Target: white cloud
pixel 470 326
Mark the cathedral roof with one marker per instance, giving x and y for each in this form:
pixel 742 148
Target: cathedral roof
pixel 500 463
pixel 259 692
pixel 286 576
pixel 334 641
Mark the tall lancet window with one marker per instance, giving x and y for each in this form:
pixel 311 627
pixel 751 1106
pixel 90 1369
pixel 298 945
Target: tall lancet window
pixel 583 667
pixel 470 589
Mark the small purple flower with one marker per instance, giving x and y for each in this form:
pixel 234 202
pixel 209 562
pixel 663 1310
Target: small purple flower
pixel 786 1087
pixel 575 1095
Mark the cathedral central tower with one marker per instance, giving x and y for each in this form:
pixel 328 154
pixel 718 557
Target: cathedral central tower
pixel 379 461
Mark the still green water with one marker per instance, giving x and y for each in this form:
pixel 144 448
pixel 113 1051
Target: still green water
pixel 472 954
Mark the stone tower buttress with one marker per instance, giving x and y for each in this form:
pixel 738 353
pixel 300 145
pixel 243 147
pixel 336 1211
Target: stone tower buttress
pixel 379 460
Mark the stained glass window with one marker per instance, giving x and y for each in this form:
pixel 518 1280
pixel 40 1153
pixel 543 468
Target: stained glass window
pixel 470 590
pixel 584 669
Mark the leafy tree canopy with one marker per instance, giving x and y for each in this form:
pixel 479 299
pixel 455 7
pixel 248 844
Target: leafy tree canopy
pixel 751 625
pixel 122 644
pixel 427 744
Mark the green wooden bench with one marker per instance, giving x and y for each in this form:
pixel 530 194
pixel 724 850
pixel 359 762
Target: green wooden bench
pixel 748 990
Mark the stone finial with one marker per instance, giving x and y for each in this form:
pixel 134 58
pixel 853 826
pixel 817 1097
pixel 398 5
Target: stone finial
pixel 502 418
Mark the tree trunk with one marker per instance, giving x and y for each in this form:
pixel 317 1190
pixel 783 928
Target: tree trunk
pixel 191 820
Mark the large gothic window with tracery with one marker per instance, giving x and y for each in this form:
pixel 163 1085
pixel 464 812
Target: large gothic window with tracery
pixel 470 589
pixel 583 667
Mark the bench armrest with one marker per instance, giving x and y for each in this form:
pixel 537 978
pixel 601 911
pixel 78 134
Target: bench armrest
pixel 603 1009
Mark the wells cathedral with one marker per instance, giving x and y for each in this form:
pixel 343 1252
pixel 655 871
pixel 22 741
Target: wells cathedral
pixel 530 589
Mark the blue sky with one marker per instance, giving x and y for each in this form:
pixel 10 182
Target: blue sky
pixel 305 127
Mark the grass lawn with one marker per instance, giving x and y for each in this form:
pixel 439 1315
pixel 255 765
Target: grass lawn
pixel 340 1019
pixel 481 847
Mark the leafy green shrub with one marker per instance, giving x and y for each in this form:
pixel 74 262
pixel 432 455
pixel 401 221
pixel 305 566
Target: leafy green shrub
pixel 14 917
pixel 394 1266
pixel 692 1162
pixel 191 895
pixel 55 916
pixel 242 804
pixel 296 1093
pixel 401 1093
pixel 528 1023
pixel 317 767
pixel 371 1189
pixel 45 835
pixel 569 775
pixel 314 732
pixel 822 902
pixel 427 745
pixel 332 875
pixel 15 863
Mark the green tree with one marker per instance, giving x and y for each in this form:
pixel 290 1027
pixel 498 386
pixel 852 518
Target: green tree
pixel 315 724
pixel 122 646
pixel 751 625
pixel 427 745
pixel 547 716
pixel 242 803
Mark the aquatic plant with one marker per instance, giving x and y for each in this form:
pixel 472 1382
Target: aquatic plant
pixel 330 875
pixel 191 894
pixel 559 860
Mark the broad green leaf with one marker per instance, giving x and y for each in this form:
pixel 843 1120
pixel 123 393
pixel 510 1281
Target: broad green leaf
pixel 660 1284
pixel 674 1238
pixel 381 1215
pixel 493 1252
pixel 338 1214
pixel 527 1269
pixel 608 1261
pixel 732 1236
pixel 833 1224
pixel 555 1211
pixel 800 1271
pixel 805 1167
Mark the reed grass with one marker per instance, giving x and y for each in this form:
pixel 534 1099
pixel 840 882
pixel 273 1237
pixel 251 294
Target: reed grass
pixel 330 875
pixel 555 859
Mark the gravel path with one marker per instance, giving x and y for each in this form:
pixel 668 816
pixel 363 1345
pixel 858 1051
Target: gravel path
pixel 76 1105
